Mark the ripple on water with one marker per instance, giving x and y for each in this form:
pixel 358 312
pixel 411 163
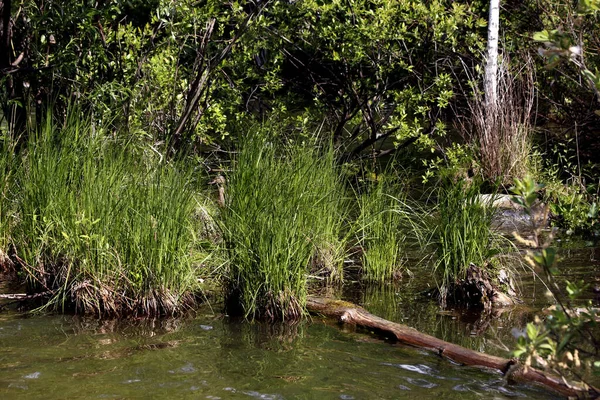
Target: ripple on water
pixel 510 393
pixel 422 383
pixel 188 368
pixel 18 386
pixel 34 375
pixel 461 388
pixel 265 396
pixel 418 368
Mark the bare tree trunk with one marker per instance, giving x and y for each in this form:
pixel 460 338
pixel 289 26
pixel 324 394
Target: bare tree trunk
pixel 489 133
pixel 205 67
pixel 491 67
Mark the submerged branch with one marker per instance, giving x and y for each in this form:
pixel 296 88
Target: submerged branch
pixel 352 314
pixel 24 296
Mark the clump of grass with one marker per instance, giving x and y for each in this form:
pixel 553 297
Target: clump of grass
pixel 388 224
pixel 464 233
pixel 100 229
pixel 502 131
pixel 283 217
pixel 7 170
pixel 380 224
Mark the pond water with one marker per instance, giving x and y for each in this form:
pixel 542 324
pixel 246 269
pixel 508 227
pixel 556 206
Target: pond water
pixel 212 356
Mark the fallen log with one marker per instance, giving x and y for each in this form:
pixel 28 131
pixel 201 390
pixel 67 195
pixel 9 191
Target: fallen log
pixel 513 370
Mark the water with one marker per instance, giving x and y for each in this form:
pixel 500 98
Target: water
pixel 212 356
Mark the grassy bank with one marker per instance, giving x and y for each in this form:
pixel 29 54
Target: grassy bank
pixel 100 228
pixel 106 227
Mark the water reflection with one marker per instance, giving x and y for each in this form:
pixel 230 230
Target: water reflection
pixel 125 327
pixel 215 357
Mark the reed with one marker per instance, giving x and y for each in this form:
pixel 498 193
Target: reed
pixel 101 229
pixel 283 218
pixel 502 132
pixel 7 172
pixel 387 225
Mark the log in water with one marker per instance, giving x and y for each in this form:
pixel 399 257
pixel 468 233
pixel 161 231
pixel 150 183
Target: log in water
pixel 352 314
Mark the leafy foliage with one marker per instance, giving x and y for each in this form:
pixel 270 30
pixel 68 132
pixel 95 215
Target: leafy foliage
pixel 566 340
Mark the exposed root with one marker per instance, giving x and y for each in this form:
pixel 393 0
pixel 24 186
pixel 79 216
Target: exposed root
pixel 99 299
pixel 478 290
pixel 284 306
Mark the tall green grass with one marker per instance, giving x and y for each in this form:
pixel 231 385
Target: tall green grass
pixel 387 225
pixel 380 231
pixel 7 172
pixel 100 228
pixel 463 233
pixel 283 218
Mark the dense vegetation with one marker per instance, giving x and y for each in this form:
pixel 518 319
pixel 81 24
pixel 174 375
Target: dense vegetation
pixel 340 136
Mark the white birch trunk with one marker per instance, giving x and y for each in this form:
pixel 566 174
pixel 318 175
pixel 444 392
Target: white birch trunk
pixel 491 68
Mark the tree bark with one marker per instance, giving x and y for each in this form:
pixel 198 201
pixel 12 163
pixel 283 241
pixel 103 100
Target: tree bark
pixel 491 67
pixel 511 368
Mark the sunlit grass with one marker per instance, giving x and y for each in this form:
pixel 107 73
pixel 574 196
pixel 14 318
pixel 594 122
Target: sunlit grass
pixel 283 218
pixel 387 224
pixel 463 233
pixel 100 229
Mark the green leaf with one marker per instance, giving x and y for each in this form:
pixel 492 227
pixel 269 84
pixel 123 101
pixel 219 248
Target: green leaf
pixel 519 352
pixel 564 342
pixel 542 36
pixel 547 346
pixel 532 331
